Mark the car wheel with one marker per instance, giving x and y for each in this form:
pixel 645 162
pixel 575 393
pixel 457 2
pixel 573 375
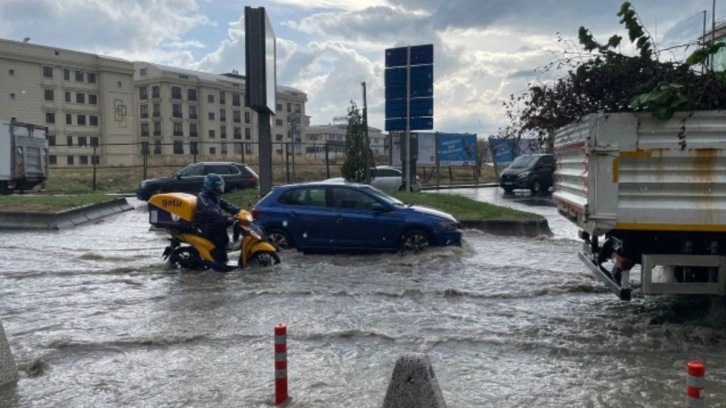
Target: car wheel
pixel 536 187
pixel 280 239
pixel 414 241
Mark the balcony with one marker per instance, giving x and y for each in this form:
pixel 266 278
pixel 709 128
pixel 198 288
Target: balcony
pixel 193 134
pixel 193 116
pixel 157 133
pixel 145 115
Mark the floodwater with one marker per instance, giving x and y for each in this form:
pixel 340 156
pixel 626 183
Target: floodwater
pixel 94 319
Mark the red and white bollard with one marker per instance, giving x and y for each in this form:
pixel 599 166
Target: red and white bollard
pixel 694 384
pixel 280 364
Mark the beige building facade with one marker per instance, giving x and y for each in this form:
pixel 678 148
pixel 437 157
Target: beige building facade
pixel 333 135
pixel 125 112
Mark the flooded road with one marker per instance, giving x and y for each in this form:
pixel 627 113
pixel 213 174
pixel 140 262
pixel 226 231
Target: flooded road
pixel 94 319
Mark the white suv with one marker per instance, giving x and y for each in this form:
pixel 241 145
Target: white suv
pixel 387 178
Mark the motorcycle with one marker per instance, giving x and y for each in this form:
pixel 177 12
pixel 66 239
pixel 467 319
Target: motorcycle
pixel 190 249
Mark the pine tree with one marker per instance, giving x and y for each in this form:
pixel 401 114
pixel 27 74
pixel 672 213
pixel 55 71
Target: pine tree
pixel 354 166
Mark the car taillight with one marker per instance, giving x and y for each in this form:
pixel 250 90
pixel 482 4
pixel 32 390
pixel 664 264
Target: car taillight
pixel 256 213
pixel 254 181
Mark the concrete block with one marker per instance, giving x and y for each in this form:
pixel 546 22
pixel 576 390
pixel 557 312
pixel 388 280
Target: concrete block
pixel 8 369
pixel 413 384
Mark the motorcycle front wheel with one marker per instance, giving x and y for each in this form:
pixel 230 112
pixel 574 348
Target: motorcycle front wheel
pixel 264 259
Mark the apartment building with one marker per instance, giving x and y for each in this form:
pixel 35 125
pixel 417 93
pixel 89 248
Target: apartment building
pixel 184 112
pixel 84 99
pixel 317 137
pixel 121 110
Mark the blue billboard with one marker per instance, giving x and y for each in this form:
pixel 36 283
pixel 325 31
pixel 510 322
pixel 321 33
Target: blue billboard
pixel 457 149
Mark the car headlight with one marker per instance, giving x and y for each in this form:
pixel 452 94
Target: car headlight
pixel 448 225
pixel 523 174
pixel 142 184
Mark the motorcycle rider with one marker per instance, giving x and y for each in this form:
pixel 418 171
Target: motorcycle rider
pixel 210 217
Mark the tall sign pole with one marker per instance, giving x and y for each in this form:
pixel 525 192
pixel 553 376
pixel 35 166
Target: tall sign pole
pixel 365 129
pixel 409 79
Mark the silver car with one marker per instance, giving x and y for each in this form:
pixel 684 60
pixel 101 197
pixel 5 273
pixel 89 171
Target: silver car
pixel 387 178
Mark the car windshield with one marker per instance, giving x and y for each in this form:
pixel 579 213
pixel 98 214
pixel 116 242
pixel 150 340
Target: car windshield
pixel 522 162
pixel 383 196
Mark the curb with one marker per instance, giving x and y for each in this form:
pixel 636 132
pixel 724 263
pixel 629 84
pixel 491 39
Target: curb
pixel 62 219
pixel 521 228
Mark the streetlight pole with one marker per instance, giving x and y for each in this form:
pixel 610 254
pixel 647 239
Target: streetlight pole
pixel 365 129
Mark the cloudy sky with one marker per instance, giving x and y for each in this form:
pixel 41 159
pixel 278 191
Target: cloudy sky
pixel 484 50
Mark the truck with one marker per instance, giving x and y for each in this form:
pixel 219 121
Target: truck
pixel 23 156
pixel 647 192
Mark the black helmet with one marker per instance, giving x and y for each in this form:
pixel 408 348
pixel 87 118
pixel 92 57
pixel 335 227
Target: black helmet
pixel 214 183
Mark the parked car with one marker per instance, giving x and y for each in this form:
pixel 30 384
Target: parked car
pixel 532 171
pixel 333 216
pixel 387 178
pixel 237 176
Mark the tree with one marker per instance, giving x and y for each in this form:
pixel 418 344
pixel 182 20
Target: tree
pixel 354 167
pixel 605 80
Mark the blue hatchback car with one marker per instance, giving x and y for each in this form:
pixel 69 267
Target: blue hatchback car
pixel 342 217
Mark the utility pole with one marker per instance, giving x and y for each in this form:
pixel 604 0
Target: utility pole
pixel 365 129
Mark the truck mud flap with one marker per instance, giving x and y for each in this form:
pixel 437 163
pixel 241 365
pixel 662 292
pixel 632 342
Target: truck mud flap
pixel 605 276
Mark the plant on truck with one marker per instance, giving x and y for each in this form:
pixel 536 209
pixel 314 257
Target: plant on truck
pixel 638 145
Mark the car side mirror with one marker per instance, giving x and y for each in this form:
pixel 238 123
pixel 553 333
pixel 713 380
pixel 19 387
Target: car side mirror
pixel 378 207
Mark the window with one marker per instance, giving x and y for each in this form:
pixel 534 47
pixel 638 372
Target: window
pixel 144 111
pixel 81 120
pixel 210 116
pixel 223 132
pixel 68 96
pixel 248 116
pixel 52 159
pixel 51 140
pixel 157 110
pixel 289 107
pixel 178 148
pixel 144 129
pixel 278 137
pixel 192 112
pixel 193 148
pixel 48 72
pixel 236 100
pixel 48 95
pixel 82 159
pixel 223 148
pixel 69 119
pixel 11 72
pixel 238 148
pixel 211 133
pixel 212 150
pixel 193 130
pixel 94 141
pixel 222 115
pixel 143 92
pixel 93 120
pixel 237 132
pixel 69 159
pixel 237 116
pixel 279 122
pixel 143 71
pixel 157 147
pixel 157 128
pixel 92 99
pixel 49 117
pixel 210 98
pixel 82 141
pixel 176 110
pixel 79 76
pixel 176 92
pixel 221 97
pixel 80 97
pixel 155 92
pixel 278 107
pixel 192 94
pixel 91 78
pixel 178 129
pixel 69 140
pixel 297 108
pixel 248 134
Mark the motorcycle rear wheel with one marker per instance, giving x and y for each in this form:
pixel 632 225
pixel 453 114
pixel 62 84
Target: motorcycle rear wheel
pixel 264 259
pixel 186 257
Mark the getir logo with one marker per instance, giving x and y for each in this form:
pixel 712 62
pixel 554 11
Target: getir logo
pixel 171 203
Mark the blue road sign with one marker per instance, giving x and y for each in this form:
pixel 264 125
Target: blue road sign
pixel 421 107
pixel 396 57
pixel 395 108
pixel 399 124
pixel 422 54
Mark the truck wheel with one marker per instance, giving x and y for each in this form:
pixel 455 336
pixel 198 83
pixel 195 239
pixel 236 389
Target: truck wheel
pixel 4 189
